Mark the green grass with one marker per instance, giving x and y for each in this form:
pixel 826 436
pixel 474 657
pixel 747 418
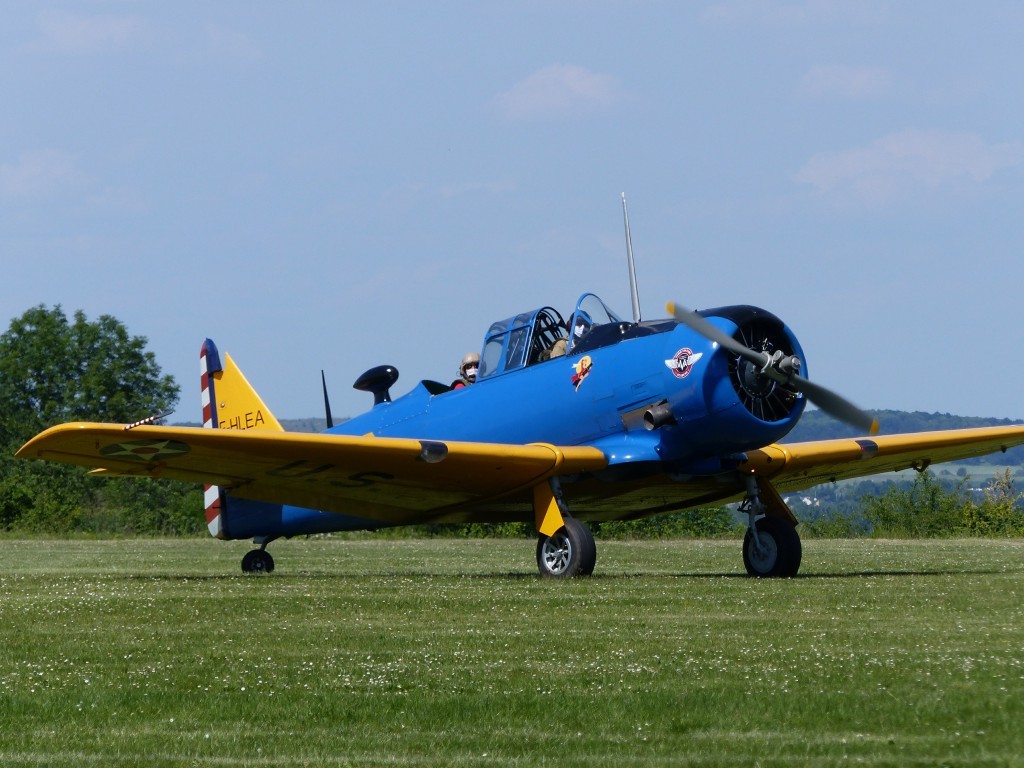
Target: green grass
pixel 448 652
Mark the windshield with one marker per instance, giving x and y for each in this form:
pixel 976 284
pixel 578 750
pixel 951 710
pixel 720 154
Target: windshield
pixel 590 313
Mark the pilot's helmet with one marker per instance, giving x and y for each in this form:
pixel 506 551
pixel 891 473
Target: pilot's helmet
pixel 470 366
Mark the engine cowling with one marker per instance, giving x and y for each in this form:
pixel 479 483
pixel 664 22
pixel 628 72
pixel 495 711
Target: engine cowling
pixel 760 330
pixel 724 404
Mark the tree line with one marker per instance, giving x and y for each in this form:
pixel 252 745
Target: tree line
pixel 56 369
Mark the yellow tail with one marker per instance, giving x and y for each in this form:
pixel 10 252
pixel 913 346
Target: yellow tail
pixel 234 404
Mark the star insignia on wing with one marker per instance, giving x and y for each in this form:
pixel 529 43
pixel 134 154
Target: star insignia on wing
pixel 146 450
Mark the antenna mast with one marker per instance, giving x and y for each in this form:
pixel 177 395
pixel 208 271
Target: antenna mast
pixel 632 269
pixel 327 403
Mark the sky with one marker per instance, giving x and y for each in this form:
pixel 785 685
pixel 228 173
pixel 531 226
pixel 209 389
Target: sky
pixel 338 185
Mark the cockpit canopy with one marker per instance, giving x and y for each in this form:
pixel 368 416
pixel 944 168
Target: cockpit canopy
pixel 531 337
pixel 520 341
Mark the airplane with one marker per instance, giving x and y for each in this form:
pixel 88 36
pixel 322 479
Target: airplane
pixel 591 418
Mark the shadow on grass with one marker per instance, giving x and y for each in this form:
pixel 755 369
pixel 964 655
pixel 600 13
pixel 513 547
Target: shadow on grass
pixel 520 577
pixel 936 572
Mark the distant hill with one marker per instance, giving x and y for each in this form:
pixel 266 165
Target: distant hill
pixel 305 425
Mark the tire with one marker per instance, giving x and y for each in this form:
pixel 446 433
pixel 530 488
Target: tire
pixel 781 549
pixel 569 553
pixel 257 561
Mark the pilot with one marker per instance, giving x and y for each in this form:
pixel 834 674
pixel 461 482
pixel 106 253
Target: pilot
pixel 467 370
pixel 582 326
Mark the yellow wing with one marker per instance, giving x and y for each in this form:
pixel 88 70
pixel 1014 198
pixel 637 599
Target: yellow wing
pixel 388 479
pixel 790 467
pixel 800 465
pixel 407 481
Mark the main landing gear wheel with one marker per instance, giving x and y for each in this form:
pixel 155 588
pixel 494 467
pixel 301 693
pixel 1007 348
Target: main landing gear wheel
pixel 570 552
pixel 257 561
pixel 777 551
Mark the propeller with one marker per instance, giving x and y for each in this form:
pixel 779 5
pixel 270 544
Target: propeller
pixel 780 368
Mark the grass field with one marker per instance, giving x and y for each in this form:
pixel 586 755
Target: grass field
pixel 449 652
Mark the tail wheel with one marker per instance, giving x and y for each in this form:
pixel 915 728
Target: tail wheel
pixel 776 553
pixel 568 553
pixel 257 561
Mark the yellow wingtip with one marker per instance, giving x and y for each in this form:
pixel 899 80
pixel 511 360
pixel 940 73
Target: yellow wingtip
pixel 874 427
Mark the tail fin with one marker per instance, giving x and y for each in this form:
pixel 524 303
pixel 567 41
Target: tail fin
pixel 229 402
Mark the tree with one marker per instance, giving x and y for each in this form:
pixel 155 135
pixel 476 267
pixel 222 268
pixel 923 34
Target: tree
pixel 51 371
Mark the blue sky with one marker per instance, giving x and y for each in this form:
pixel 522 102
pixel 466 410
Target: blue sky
pixel 338 185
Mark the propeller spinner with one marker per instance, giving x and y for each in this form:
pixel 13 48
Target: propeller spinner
pixel 780 368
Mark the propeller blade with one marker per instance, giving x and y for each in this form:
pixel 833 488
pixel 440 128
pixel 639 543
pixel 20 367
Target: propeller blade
pixel 836 405
pixel 716 334
pixel 830 402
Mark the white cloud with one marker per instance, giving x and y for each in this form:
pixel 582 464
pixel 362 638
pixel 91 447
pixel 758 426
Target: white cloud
pixel 68 33
pixel 38 175
pixel 900 163
pixel 856 83
pixel 789 14
pixel 557 91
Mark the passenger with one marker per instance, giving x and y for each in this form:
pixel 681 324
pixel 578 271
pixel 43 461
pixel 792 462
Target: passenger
pixel 467 371
pixel 555 350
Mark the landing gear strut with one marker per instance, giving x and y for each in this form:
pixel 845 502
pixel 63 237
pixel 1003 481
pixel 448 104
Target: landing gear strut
pixel 771 547
pixel 258 560
pixel 565 546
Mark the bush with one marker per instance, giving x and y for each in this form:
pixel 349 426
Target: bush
pixel 836 525
pixel 40 497
pixel 146 507
pixel 926 509
pixel 1000 513
pixel 463 531
pixel 696 523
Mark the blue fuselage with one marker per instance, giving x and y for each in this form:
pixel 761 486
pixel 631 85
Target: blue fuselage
pixel 597 397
